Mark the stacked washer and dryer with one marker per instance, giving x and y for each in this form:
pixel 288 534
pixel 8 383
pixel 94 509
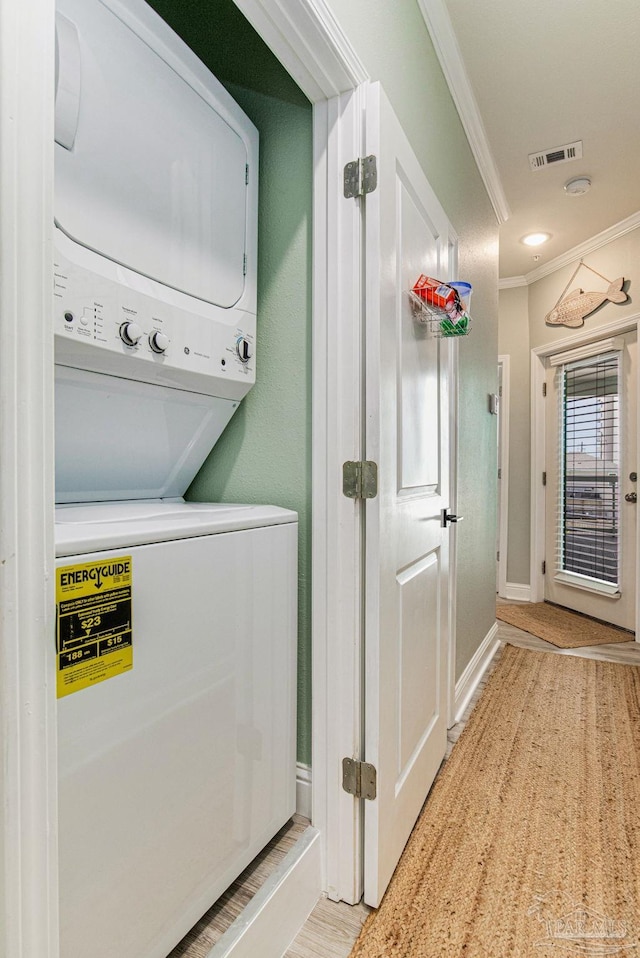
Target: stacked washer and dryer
pixel 176 621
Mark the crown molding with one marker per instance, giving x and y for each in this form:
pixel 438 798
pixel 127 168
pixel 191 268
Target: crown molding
pixel 512 282
pixel 448 52
pixel 589 246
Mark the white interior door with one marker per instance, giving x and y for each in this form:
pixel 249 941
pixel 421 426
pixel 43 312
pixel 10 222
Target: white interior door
pixel 591 428
pixel 407 548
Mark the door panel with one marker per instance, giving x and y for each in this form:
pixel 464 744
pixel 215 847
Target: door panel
pixel 407 549
pixel 590 530
pixel 419 700
pixel 418 390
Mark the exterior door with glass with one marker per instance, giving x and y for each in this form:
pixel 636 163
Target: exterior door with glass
pixel 591 429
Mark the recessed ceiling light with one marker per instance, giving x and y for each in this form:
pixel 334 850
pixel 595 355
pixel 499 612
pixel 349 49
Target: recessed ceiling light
pixel 577 186
pixel 535 239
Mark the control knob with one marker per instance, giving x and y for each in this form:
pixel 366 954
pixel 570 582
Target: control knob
pixel 158 341
pixel 130 333
pixel 242 348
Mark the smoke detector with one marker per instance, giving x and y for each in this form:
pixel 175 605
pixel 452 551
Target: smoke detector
pixel 577 186
pixel 558 154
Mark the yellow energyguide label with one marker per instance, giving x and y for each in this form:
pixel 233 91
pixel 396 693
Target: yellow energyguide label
pixel 94 639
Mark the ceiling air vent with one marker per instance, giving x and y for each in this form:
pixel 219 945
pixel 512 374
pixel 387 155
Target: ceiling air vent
pixel 559 154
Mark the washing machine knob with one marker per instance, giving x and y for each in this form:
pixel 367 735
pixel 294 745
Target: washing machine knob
pixel 130 333
pixel 242 347
pixel 158 341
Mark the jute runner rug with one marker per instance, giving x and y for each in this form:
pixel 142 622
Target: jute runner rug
pixel 529 843
pixel 565 629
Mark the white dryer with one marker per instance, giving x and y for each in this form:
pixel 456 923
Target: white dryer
pixel 176 622
pixel 156 208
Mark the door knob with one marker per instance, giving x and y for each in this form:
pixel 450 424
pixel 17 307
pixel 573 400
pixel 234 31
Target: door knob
pixel 448 517
pixel 631 497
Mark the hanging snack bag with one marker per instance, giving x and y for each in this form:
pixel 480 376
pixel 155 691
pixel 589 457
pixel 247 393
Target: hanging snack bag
pixel 437 294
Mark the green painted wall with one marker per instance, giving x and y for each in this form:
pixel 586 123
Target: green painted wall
pixel 265 452
pixel 264 455
pixel 393 42
pixel 222 38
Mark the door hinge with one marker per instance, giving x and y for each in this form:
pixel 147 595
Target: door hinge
pixel 359 778
pixel 544 567
pixel 246 174
pixel 544 478
pixel 360 177
pixel 544 389
pixel 360 479
pixel 499 473
pixel 498 556
pixel 244 265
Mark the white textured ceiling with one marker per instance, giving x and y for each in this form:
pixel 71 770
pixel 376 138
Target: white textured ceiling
pixel 545 74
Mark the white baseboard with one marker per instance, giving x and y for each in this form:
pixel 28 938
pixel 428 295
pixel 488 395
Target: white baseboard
pixel 277 912
pixel 517 592
pixel 303 790
pixel 470 678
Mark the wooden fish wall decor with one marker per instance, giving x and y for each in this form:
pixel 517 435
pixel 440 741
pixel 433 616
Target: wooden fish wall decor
pixel 571 310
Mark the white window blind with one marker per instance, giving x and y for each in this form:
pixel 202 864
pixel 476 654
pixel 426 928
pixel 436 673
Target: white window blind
pixel 588 542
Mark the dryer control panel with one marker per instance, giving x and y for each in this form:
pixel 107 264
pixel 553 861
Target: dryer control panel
pixel 108 324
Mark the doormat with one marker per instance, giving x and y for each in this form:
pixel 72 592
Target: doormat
pixel 529 842
pixel 565 629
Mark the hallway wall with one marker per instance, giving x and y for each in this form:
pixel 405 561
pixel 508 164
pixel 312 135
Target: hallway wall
pixel 513 341
pixel 522 328
pixel 618 258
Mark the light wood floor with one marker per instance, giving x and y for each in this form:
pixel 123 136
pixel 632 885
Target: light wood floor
pixel 203 936
pixel 332 927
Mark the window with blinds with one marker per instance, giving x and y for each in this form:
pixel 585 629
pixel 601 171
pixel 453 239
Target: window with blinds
pixel 589 460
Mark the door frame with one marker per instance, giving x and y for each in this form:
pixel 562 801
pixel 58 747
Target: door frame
pixel 504 361
pixel 28 780
pixel 312 47
pixel 538 436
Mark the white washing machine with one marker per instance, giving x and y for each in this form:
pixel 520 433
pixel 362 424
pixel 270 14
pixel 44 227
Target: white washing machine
pixel 177 641
pixel 176 622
